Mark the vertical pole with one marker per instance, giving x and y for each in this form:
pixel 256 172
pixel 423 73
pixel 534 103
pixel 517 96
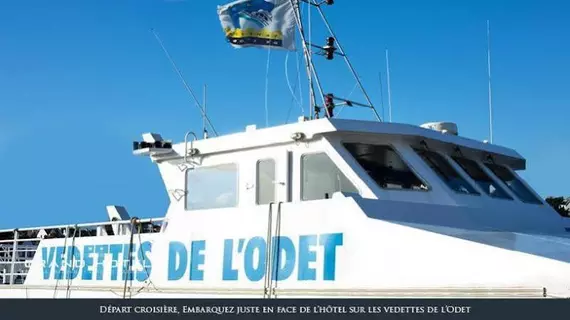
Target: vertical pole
pixel 308 59
pixel 489 78
pixel 389 89
pixel 14 255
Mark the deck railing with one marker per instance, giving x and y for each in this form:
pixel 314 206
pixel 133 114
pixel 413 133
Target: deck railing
pixel 153 291
pixel 18 246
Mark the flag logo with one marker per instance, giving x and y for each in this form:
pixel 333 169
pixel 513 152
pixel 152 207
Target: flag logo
pixel 259 23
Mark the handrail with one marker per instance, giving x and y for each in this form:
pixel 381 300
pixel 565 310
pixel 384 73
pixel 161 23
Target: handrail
pixel 83 225
pixel 277 249
pixel 516 292
pixel 191 144
pixel 271 250
pixel 16 254
pixel 267 282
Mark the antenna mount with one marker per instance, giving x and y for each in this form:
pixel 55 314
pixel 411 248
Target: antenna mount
pixel 331 48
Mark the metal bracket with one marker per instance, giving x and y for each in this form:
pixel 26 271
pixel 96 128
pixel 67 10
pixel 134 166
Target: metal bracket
pixel 178 194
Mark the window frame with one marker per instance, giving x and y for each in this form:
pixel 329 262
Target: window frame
pixel 489 174
pixel 237 187
pixel 459 172
pixel 302 175
pixel 399 154
pixel 538 199
pixel 257 180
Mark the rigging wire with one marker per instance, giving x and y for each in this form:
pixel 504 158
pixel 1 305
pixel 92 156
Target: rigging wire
pixel 294 97
pixel 381 94
pixel 299 84
pixel 348 63
pixel 348 97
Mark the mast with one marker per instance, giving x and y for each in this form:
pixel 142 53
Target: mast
pixel 307 55
pixel 331 49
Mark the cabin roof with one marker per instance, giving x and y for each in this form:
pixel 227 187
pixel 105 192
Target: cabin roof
pixel 255 138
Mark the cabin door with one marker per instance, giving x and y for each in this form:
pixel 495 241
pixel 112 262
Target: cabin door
pixel 273 175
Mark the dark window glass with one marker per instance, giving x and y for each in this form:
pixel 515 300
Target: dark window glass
pixel 481 178
pixel 514 184
pixel 385 166
pixel 446 172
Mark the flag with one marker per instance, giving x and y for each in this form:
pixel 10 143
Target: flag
pixel 259 23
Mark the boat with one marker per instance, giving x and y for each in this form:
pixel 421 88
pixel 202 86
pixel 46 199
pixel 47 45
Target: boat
pixel 323 207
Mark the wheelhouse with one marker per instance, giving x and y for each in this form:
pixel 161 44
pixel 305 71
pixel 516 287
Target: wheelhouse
pixel 312 160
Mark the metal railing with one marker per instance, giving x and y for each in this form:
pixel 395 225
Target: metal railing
pixel 19 246
pixel 452 292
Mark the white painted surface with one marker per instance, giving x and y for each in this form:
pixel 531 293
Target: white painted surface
pixel 391 239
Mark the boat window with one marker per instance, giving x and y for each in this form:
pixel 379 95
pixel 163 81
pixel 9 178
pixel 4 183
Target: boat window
pixel 513 183
pixel 446 172
pixel 212 187
pixel 265 181
pixel 321 178
pixel 481 178
pixel 385 166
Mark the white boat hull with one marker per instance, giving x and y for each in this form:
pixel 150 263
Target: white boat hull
pixel 328 249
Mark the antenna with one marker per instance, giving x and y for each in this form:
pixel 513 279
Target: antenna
pixel 489 78
pixel 184 82
pixel 389 90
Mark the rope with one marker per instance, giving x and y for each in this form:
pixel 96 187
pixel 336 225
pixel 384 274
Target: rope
pixel 130 261
pixel 64 251
pixel 144 262
pixel 292 90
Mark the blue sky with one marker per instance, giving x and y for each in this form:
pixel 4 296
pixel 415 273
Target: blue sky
pixel 80 80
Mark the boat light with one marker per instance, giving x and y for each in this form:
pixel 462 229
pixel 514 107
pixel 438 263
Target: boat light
pixel 152 137
pixel 152 144
pixel 138 145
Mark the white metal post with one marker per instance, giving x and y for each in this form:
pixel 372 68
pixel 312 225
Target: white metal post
pixel 14 254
